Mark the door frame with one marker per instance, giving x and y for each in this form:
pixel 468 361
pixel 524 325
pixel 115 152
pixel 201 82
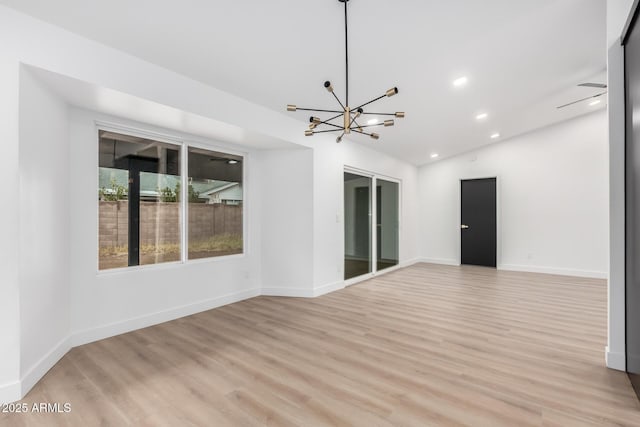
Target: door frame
pixel 498 217
pixel 374 176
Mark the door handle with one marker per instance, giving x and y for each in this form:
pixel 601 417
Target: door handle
pixel 464 226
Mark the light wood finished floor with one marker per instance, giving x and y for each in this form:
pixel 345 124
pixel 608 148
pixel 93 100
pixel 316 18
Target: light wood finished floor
pixel 425 346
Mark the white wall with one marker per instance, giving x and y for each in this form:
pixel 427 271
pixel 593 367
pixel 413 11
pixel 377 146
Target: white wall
pixel 107 303
pixel 617 14
pixel 44 223
pixel 552 199
pixel 9 230
pixel 287 221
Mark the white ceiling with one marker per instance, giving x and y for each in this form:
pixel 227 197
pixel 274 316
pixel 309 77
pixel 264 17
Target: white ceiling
pixel 523 58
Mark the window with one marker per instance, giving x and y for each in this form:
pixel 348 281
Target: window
pixel 215 204
pixel 140 211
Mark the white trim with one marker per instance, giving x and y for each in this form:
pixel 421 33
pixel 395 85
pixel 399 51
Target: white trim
pixel 40 368
pixel 554 270
pixel 364 277
pixel 328 288
pixel 373 224
pixel 184 203
pixel 288 292
pixel 407 263
pixel 615 360
pixel 358 279
pixel 138 131
pixel 616 292
pixel 117 328
pixel 440 261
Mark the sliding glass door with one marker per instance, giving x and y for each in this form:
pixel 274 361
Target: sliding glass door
pixel 387 221
pixel 371 237
pixel 357 225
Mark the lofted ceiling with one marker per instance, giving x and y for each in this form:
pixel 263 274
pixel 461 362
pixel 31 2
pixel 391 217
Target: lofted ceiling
pixel 522 58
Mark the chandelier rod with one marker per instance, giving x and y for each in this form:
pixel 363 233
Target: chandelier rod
pixel 370 102
pixel 321 111
pixel 346 52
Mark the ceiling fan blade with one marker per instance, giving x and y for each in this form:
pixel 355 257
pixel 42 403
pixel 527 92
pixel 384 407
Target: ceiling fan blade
pixel 580 100
pixel 598 85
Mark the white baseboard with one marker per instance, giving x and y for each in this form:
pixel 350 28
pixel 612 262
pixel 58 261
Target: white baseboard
pixel 328 288
pixel 407 263
pixel 10 392
pixel 554 270
pixel 441 261
pixel 288 292
pixel 615 360
pixel 106 331
pixel 47 362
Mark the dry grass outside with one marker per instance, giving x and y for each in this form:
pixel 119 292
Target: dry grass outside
pixel 222 243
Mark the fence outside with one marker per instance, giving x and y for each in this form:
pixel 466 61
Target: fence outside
pixel 160 222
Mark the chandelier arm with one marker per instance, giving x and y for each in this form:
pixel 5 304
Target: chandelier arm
pixel 339 102
pixel 320 111
pixel 370 102
pixel 361 132
pixel 331 124
pixel 326 122
pixel 378 114
pixel 356 122
pixel 371 126
pixel 340 129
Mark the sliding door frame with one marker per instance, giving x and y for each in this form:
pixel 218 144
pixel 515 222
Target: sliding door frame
pixel 373 222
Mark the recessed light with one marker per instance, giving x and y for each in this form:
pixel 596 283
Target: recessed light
pixel 482 116
pixel 434 155
pixel 232 162
pixel 495 135
pixel 460 81
pixel 595 102
pixel 372 122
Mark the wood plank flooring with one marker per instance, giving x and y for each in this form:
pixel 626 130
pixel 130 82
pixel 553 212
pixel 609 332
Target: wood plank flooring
pixel 424 346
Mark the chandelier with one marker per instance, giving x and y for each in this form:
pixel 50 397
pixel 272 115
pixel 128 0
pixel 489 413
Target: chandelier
pixel 348 116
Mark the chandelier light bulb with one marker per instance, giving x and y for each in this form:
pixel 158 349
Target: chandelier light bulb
pixel 392 91
pixel 400 114
pixel 308 132
pixel 388 123
pixel 328 86
pixel 375 136
pixel 291 107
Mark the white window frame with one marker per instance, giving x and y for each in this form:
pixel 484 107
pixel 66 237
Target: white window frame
pixel 183 142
